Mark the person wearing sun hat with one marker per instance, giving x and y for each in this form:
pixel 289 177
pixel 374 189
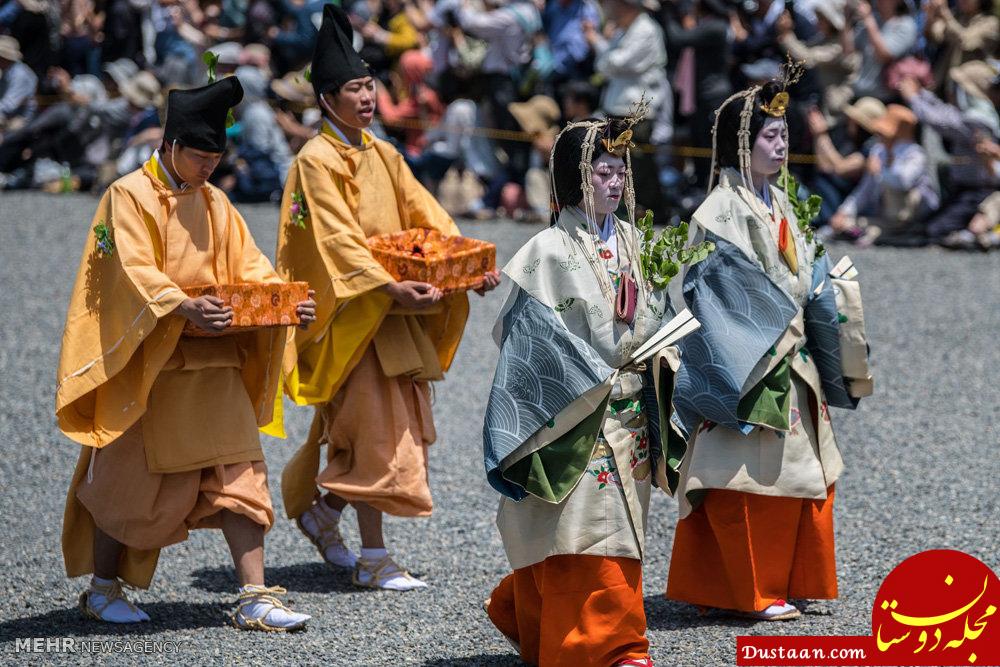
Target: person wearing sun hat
pixel 368 366
pixel 167 422
pixel 972 118
pixel 897 191
pixel 18 84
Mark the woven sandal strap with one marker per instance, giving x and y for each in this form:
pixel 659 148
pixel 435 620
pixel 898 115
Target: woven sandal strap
pixel 111 592
pixel 252 594
pixel 387 567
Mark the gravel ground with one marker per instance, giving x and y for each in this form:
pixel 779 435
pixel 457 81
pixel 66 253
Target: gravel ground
pixel 921 457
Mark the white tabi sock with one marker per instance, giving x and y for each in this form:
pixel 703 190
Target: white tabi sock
pixel 119 610
pixel 323 523
pixel 273 615
pixel 392 577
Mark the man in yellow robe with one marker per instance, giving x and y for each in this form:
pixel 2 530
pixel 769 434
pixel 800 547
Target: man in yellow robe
pixel 378 343
pixel 168 423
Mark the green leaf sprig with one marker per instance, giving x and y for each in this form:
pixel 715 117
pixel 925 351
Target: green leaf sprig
pixel 806 210
pixel 663 255
pixel 105 240
pixel 211 61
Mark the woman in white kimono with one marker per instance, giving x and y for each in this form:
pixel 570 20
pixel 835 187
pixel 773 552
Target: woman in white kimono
pixel 571 428
pixel 781 339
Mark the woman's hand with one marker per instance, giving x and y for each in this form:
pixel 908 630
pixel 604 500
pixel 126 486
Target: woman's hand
pixel 413 294
pixel 209 313
pixel 306 310
pixel 491 280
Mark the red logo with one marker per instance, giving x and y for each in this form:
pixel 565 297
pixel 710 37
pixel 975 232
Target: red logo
pixel 938 608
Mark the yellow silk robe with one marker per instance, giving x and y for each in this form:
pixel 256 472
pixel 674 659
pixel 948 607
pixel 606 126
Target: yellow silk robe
pixel 329 251
pixel 122 345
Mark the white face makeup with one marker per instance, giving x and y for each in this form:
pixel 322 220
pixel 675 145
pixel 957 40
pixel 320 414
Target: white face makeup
pixel 769 149
pixel 609 184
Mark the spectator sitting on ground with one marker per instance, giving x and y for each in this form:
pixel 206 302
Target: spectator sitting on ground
pixel 144 133
pixel 964 124
pixel 18 85
pixel 296 113
pixel 896 191
pixel 262 154
pixel 538 118
pixel 841 152
pixel 509 29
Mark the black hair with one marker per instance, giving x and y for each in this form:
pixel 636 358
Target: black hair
pixel 566 160
pixel 727 134
pixel 581 91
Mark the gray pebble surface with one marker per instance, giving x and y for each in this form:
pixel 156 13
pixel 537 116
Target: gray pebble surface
pixel 921 455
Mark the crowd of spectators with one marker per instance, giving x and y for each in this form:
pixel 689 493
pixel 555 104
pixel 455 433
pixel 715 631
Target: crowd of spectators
pixel 895 123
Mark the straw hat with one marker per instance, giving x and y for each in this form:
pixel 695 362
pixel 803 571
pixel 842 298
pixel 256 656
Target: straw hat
pixel 10 49
pixel 975 77
pixel 865 112
pixel 540 114
pixel 896 119
pixel 294 88
pixel 143 90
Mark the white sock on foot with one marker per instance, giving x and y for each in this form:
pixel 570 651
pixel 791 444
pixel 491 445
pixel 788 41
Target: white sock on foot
pixel 119 610
pixel 395 579
pixel 334 550
pixel 273 615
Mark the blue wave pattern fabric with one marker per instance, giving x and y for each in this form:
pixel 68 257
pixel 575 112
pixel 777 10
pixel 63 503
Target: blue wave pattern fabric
pixel 542 369
pixel 823 338
pixel 742 314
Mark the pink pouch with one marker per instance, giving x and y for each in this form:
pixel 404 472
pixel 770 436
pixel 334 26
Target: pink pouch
pixel 626 298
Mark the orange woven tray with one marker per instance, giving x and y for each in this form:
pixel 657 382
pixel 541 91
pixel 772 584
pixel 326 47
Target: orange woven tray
pixel 451 263
pixel 255 305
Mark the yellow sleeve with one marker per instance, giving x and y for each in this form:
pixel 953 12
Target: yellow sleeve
pixel 339 238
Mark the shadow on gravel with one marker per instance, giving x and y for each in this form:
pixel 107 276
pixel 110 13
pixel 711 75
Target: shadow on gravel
pixel 664 614
pixel 476 661
pixel 166 616
pixel 299 578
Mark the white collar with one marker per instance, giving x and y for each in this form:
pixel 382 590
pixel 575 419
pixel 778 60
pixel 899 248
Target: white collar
pixel 166 172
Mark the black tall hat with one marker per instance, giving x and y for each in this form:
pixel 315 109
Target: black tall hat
pixel 196 118
pixel 335 62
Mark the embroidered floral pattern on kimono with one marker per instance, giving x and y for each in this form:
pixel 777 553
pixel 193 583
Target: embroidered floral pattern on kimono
pixel 795 418
pixel 604 472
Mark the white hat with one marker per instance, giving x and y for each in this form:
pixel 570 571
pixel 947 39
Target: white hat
pixel 10 49
pixel 833 12
pixel 143 90
pixel 229 53
pixel 121 70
